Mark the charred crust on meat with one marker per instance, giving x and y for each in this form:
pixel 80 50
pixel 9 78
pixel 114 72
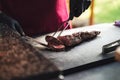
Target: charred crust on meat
pixel 70 40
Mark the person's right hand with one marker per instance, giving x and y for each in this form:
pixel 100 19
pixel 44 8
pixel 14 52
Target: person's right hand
pixel 77 7
pixel 12 23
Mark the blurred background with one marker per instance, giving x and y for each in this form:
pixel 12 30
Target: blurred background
pixel 100 11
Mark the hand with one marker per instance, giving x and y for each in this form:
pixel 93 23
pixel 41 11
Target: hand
pixel 11 23
pixel 77 7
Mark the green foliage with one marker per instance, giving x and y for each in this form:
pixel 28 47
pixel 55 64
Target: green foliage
pixel 107 11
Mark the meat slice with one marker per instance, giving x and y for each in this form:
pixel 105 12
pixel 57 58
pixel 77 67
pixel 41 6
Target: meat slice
pixel 89 35
pixel 53 40
pixel 70 40
pixel 54 43
pixel 56 47
pixel 61 42
pixel 76 38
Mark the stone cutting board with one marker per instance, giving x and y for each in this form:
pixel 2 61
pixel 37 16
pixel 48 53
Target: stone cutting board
pixel 85 53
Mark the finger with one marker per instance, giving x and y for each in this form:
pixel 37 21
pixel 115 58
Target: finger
pixel 19 28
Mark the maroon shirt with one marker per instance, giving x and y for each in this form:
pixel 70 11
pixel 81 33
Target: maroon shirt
pixel 36 17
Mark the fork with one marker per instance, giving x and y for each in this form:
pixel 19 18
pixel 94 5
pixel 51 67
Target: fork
pixel 66 23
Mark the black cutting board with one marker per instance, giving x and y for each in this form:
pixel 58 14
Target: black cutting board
pixel 85 53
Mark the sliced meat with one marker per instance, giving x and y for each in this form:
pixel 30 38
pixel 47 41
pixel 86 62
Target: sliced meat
pixel 53 40
pixel 89 35
pixel 56 47
pixel 76 38
pixel 62 42
pixel 70 40
pixel 54 43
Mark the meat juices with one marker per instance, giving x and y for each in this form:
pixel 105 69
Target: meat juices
pixel 71 40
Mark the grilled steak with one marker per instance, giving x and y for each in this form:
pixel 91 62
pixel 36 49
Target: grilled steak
pixel 71 40
pixel 19 59
pixel 54 43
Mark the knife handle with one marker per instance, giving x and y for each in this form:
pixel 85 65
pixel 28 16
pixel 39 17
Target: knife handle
pixel 110 47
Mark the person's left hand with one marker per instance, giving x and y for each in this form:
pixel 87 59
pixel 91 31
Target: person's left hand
pixel 12 23
pixel 77 7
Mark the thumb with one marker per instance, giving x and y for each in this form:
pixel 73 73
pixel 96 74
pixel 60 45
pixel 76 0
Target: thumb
pixel 19 28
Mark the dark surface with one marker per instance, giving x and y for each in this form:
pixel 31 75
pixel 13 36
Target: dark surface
pixel 105 72
pixel 21 61
pixel 85 53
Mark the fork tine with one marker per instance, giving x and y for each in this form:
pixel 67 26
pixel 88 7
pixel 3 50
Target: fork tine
pixel 58 29
pixel 60 26
pixel 67 24
pixel 63 23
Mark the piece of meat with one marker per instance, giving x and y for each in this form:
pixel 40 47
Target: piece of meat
pixel 53 40
pixel 56 47
pixel 54 43
pixel 70 40
pixel 89 35
pixel 76 38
